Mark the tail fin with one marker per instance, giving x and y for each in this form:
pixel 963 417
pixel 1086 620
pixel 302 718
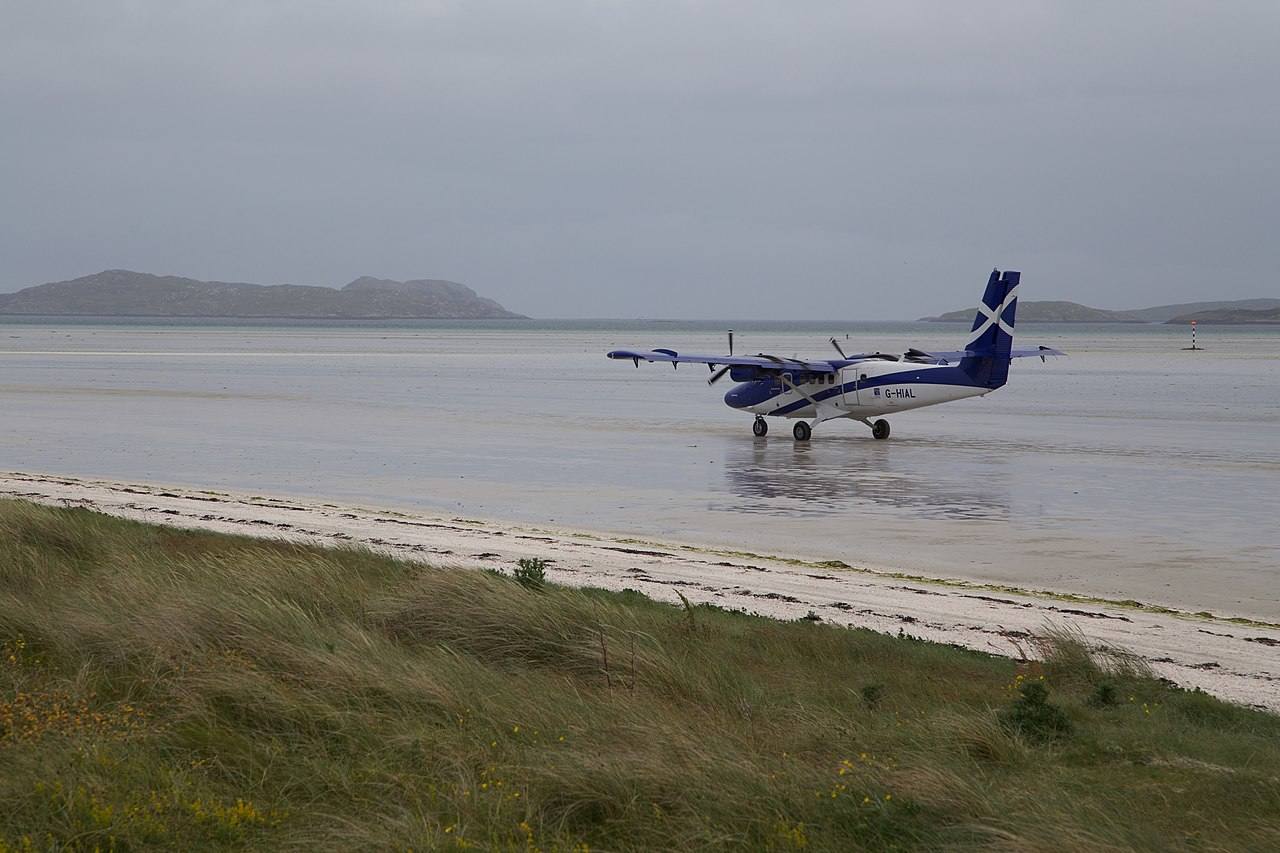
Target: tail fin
pixel 991 339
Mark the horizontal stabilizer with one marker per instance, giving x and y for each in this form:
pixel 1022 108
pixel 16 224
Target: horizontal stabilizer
pixel 1038 351
pixel 955 355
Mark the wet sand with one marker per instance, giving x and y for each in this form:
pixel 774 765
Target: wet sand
pixel 1130 470
pixel 1236 659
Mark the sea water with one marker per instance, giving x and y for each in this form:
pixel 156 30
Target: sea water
pixel 1132 469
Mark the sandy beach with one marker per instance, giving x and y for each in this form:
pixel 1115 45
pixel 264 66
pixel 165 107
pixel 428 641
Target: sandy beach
pixel 1093 475
pixel 1232 658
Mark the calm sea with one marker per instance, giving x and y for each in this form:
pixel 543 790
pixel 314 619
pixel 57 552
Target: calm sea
pixel 1132 469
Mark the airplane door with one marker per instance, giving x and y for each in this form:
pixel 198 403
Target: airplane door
pixel 849 390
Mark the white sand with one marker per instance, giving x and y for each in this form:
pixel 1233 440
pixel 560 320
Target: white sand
pixel 1239 662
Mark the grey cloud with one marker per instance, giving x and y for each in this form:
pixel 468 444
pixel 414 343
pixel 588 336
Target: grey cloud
pixel 745 159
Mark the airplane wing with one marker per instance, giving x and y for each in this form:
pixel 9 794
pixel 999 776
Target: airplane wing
pixel 762 360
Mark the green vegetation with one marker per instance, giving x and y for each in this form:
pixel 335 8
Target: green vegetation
pixel 178 689
pixel 1033 716
pixel 531 572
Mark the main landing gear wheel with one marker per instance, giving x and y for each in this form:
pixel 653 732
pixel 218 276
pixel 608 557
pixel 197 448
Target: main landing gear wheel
pixel 801 431
pixel 880 429
pixel 760 427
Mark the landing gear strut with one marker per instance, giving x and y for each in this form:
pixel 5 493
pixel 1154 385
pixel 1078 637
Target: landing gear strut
pixel 880 429
pixel 760 427
pixel 801 431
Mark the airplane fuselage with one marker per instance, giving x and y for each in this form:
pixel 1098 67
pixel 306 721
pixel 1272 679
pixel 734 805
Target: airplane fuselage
pixel 864 390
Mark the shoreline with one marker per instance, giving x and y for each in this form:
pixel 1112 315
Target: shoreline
pixel 1231 657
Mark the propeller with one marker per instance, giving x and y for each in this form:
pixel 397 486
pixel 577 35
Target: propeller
pixel 919 356
pixel 718 374
pixel 837 346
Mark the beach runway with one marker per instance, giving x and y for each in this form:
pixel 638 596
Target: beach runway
pixel 1235 659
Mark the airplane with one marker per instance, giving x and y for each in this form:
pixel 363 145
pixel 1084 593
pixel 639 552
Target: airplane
pixel 864 386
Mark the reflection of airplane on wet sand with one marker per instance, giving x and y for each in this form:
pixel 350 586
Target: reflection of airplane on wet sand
pixel 816 479
pixel 868 385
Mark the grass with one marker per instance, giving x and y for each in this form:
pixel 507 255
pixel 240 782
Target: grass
pixel 176 689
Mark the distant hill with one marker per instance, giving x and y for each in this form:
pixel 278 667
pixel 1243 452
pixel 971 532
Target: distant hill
pixel 1046 312
pixel 1073 312
pixel 1230 315
pixel 124 293
pixel 1165 313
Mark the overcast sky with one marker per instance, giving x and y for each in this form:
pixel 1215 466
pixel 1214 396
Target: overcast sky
pixel 744 159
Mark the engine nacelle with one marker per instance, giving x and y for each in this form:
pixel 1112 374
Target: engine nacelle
pixel 747 373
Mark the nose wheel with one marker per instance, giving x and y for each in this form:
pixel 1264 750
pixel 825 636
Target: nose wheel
pixel 760 427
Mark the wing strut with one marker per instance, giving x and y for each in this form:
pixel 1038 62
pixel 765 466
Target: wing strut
pixel 823 410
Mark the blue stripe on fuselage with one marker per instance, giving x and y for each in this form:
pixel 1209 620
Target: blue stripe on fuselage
pixel 755 393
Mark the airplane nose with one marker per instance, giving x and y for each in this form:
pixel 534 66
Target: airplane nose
pixel 748 394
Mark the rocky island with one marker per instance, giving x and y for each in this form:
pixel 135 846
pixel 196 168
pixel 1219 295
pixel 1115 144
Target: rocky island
pixel 1231 316
pixel 1232 311
pixel 124 293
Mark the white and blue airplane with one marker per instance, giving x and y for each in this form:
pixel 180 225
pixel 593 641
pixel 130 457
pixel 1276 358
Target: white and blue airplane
pixel 868 385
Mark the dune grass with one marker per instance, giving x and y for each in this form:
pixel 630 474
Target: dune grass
pixel 177 689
